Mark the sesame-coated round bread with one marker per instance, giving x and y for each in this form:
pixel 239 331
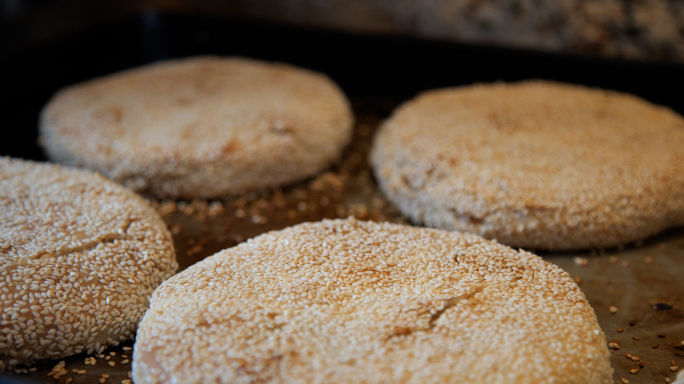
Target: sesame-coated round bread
pixel 345 301
pixel 535 164
pixel 201 127
pixel 79 259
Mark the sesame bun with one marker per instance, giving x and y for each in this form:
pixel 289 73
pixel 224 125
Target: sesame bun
pixel 535 164
pixel 79 258
pixel 345 301
pixel 201 127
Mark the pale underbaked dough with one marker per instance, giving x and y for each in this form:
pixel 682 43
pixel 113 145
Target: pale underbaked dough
pixel 200 127
pixel 79 258
pixel 535 164
pixel 346 301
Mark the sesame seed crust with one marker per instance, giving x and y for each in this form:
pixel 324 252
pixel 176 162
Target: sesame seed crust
pixel 201 127
pixel 352 301
pixel 79 259
pixel 535 164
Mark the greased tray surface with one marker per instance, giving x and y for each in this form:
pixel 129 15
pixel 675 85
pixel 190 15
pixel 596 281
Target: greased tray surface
pixel 637 292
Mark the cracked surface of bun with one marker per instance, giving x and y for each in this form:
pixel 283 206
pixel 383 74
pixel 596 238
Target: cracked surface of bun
pixel 346 301
pixel 79 259
pixel 201 127
pixel 535 164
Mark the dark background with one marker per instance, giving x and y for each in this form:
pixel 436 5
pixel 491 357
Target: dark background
pixel 367 66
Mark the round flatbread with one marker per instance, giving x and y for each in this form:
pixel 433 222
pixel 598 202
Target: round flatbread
pixel 345 301
pixel 201 127
pixel 79 258
pixel 535 164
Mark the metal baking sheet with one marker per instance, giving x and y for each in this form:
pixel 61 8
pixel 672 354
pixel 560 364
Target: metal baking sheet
pixel 637 291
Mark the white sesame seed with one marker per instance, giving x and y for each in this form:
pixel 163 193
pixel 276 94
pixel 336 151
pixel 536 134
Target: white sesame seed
pixel 337 290
pixel 46 290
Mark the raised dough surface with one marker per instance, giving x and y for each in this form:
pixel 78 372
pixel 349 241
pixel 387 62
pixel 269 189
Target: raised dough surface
pixel 535 164
pixel 351 301
pixel 79 258
pixel 200 127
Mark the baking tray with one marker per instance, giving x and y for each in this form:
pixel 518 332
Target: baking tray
pixel 641 282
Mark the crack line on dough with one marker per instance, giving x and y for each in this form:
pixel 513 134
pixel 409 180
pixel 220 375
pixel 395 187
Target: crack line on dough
pixel 85 246
pixel 450 302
